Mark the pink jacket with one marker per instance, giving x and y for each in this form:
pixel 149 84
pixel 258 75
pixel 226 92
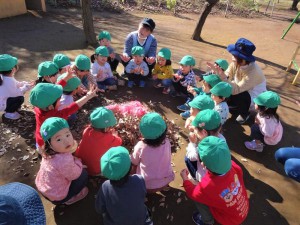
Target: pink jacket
pixel 271 129
pixel 56 174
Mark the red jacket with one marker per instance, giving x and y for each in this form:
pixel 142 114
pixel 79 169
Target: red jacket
pixel 93 146
pixel 225 195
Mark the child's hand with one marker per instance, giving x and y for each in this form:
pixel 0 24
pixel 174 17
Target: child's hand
pixel 141 71
pixel 150 60
pixel 69 73
pixel 184 174
pixel 137 70
pixel 154 77
pixel 92 92
pixel 256 120
pixel 193 138
pixel 125 57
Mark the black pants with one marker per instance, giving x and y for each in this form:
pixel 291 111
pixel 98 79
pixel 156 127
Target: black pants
pixel 113 63
pixel 239 104
pixel 13 104
pixel 136 77
pixel 149 66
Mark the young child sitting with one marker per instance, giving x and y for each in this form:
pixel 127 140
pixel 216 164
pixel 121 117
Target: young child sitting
pixel 152 152
pixel 47 72
pixel 67 98
pixel 184 77
pixel 11 90
pixel 46 98
pixel 101 70
pixel 267 127
pixel 97 139
pixel 121 199
pixel 61 177
pixel 63 63
pixel 137 69
pixel 207 83
pixel 219 93
pixel 104 39
pixel 163 71
pixel 206 123
pixel 221 194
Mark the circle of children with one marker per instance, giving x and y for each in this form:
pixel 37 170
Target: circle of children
pixel 211 179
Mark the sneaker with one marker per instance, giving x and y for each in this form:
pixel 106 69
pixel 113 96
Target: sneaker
pixel 183 107
pixel 130 84
pixel 142 84
pixel 112 88
pixel 185 115
pixel 166 91
pixel 242 119
pixel 81 195
pixel 12 116
pixel 158 85
pixel 251 145
pixel 197 218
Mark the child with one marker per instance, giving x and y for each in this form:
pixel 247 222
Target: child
pixel 163 71
pixel 184 77
pixel 267 127
pixel 219 65
pixel 137 69
pixel 153 152
pixel 208 82
pixel 11 90
pixel 97 139
pixel 206 123
pixel 45 97
pixel 61 177
pixel 104 39
pixel 47 72
pixel 63 62
pixel 67 97
pixel 219 93
pixel 120 199
pixel 101 70
pixel 221 194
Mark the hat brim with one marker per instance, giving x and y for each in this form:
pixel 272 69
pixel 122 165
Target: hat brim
pixel 231 48
pixel 29 201
pixel 148 25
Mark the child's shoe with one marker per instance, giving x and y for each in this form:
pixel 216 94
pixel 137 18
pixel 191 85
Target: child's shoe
pixel 251 145
pixel 197 219
pixel 130 84
pixel 166 91
pixel 12 116
pixel 185 115
pixel 242 119
pixel 81 195
pixel 142 83
pixel 158 85
pixel 183 107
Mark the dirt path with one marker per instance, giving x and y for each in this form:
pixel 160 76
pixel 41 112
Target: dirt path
pixel 274 198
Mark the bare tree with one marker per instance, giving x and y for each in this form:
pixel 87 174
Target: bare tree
pixel 206 9
pixel 87 21
pixel 294 5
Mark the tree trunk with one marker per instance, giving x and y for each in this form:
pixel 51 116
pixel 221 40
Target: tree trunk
pixel 206 9
pixel 294 5
pixel 87 21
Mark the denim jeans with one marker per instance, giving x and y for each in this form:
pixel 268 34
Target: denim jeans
pixel 290 158
pixel 107 82
pixel 13 104
pixel 191 166
pixel 205 213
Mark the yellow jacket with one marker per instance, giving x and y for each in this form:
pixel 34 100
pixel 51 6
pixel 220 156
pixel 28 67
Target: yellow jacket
pixel 163 72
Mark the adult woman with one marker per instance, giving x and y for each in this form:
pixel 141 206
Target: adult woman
pixel 245 76
pixel 142 37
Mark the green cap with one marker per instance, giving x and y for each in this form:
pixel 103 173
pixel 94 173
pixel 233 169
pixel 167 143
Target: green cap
pixel 215 154
pixel 188 61
pixel 104 34
pixel 102 50
pixel 72 83
pixel 51 126
pixel 268 99
pixel 207 119
pixel 82 62
pixel 7 62
pixel 61 60
pixel 102 117
pixel 202 102
pixel 222 89
pixel 45 94
pixel 152 125
pixel 165 53
pixel 222 63
pixel 137 50
pixel 212 79
pixel 47 68
pixel 115 163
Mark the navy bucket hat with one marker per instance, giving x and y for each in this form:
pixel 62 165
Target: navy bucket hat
pixel 243 49
pixel 20 204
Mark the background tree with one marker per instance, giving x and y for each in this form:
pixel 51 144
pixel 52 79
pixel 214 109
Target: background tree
pixel 206 9
pixel 294 5
pixel 87 21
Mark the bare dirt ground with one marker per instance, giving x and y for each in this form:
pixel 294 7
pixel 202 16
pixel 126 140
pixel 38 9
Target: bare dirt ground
pixel 33 38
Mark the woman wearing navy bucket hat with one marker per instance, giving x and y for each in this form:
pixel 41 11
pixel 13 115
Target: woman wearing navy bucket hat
pixel 246 78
